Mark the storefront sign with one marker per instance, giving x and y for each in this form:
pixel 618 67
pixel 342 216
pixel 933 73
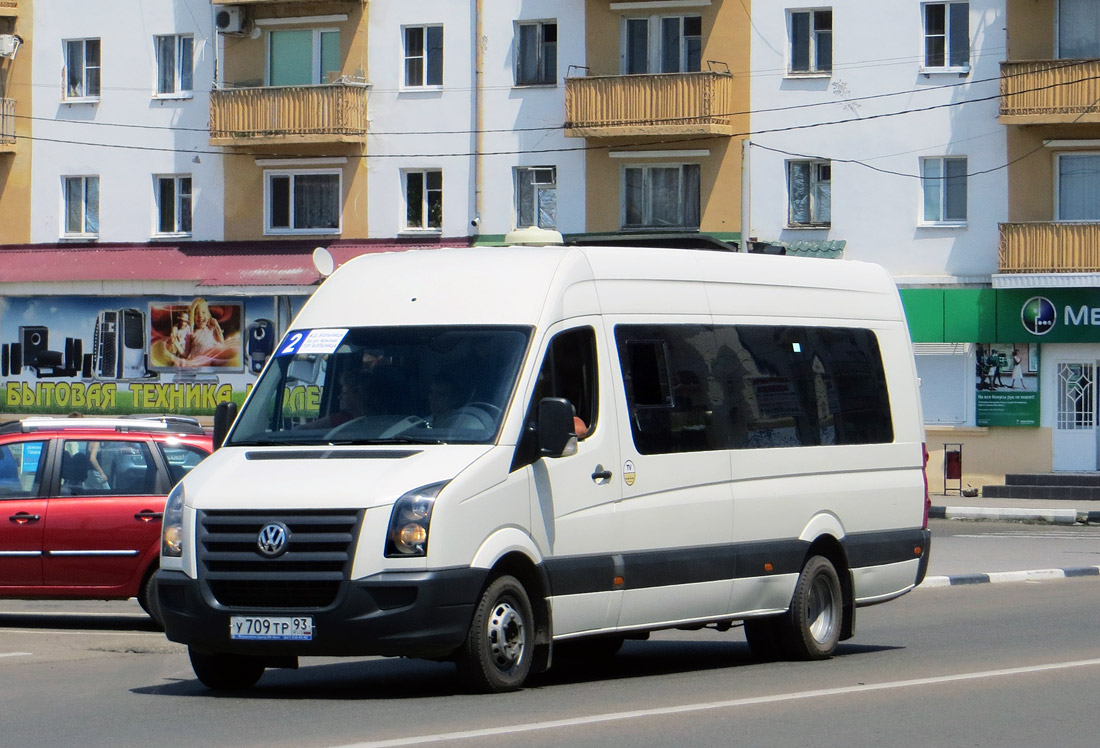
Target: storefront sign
pixel 1049 315
pixel 132 355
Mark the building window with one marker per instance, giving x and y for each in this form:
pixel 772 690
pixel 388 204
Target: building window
pixel 536 54
pixel 662 44
pixel 944 184
pixel 658 197
pixel 537 197
pixel 1076 32
pixel 811 41
pixel 423 56
pixel 423 199
pixel 809 193
pixel 302 57
pixel 173 196
pixel 82 67
pixel 1078 187
pixel 81 196
pixel 947 35
pixel 175 64
pixel 303 202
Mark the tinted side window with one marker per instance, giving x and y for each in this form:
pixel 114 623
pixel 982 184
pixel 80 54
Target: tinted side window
pixel 752 387
pixel 568 370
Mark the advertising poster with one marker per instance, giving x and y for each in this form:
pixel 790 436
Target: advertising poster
pixel 132 355
pixel 1007 380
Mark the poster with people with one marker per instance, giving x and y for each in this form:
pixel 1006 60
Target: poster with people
pixel 1006 377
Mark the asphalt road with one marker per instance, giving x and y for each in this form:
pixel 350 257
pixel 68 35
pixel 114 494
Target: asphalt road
pixel 992 665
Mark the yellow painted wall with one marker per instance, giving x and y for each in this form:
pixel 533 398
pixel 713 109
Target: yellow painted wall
pixel 989 453
pixel 15 167
pixel 1030 29
pixel 726 40
pixel 243 63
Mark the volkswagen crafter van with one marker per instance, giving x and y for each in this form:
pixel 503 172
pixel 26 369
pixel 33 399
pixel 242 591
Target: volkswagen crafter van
pixel 482 455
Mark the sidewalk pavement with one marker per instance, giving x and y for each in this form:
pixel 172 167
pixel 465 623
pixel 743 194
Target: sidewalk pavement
pixel 1035 511
pixel 1026 511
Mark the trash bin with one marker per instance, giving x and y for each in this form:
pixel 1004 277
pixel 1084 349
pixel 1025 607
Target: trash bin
pixel 952 468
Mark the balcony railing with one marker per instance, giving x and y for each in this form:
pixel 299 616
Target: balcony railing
pixel 328 113
pixel 7 125
pixel 1049 248
pixel 9 7
pixel 664 104
pixel 1041 92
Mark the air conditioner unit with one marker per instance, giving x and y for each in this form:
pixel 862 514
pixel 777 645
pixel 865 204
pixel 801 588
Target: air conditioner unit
pixel 229 19
pixel 9 45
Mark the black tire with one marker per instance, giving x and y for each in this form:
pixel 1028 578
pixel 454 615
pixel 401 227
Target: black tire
pixel 816 616
pixel 767 637
pixel 500 645
pixel 147 598
pixel 226 672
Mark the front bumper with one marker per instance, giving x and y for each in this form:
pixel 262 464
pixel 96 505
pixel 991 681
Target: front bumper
pixel 418 614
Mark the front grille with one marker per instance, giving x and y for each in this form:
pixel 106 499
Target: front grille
pixel 308 575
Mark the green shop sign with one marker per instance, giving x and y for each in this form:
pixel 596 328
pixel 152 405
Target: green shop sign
pixel 1025 315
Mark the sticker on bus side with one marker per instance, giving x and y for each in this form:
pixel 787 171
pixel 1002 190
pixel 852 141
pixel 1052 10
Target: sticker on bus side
pixel 311 341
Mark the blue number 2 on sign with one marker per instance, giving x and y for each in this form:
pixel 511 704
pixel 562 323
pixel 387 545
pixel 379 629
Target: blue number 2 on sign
pixel 293 340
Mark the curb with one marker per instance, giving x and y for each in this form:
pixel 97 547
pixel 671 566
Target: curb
pixel 1048 516
pixel 1035 575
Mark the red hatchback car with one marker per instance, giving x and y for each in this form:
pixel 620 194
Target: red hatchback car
pixel 81 502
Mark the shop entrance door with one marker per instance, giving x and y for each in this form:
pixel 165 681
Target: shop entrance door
pixel 1075 433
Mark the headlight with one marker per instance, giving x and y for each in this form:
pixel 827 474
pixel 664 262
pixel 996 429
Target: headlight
pixel 409 522
pixel 171 542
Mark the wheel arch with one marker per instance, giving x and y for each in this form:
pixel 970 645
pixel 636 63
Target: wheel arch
pixel 829 546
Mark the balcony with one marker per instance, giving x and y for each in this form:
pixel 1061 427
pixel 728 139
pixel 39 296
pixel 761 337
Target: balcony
pixel 9 8
pixel 1050 92
pixel 607 106
pixel 1049 248
pixel 289 115
pixel 7 125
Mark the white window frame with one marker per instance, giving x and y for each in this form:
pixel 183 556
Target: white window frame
pixel 84 232
pixel 948 34
pixel 315 73
pixel 423 57
pixel 927 183
pixel 814 41
pixel 425 202
pixel 538 188
pixel 540 52
pixel 655 40
pixel 183 201
pixel 1059 158
pixel 816 179
pixel 182 71
pixel 648 224
pixel 293 174
pixel 83 93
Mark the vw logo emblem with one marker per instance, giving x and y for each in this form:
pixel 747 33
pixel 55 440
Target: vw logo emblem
pixel 272 540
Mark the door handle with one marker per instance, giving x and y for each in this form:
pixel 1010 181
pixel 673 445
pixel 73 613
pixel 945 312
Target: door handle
pixel 601 474
pixel 23 518
pixel 148 515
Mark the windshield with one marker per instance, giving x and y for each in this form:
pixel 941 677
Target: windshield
pixel 384 385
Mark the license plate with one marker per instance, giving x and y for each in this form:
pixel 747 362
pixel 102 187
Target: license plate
pixel 271 628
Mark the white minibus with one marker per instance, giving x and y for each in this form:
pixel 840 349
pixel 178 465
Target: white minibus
pixel 487 455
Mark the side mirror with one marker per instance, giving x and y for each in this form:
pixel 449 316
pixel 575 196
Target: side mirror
pixel 224 415
pixel 557 437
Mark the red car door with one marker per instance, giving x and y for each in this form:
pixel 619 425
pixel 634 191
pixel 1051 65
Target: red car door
pixel 102 524
pixel 22 513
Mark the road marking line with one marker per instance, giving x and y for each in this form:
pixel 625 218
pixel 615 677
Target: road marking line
pixel 66 632
pixel 489 732
pixel 16 654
